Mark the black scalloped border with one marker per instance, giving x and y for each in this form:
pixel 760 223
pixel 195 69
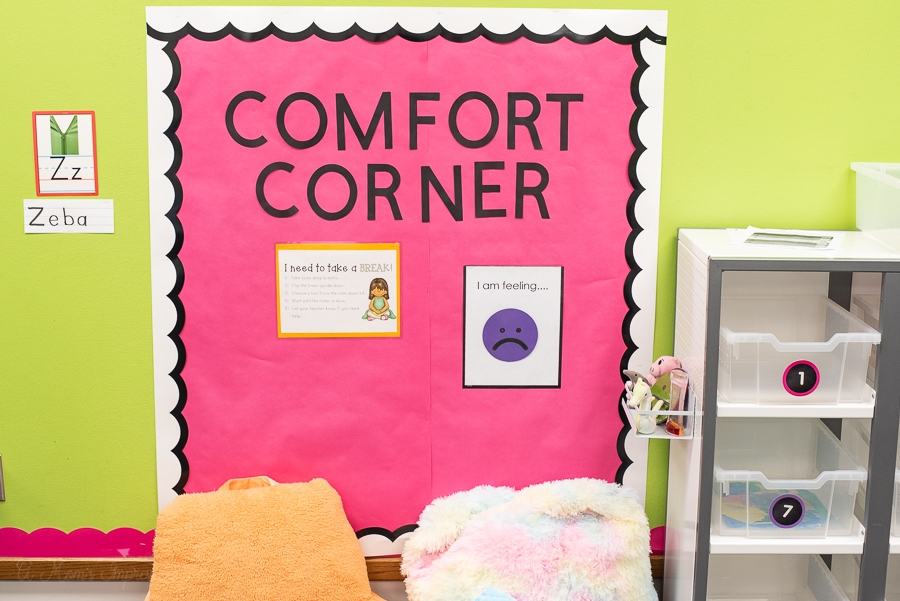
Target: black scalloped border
pixel 172 38
pixel 636 229
pixel 390 535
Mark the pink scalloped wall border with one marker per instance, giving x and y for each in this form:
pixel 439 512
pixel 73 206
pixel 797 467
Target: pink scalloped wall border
pixel 123 542
pixel 658 540
pixel 84 542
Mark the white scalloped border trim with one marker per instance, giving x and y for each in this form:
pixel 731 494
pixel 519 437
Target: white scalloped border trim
pixel 414 20
pixel 380 19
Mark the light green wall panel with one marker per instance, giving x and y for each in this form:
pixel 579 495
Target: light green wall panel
pixel 767 102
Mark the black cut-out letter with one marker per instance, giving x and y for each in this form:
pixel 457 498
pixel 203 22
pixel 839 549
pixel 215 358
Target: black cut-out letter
pixel 481 189
pixel 382 111
pixel 454 118
pixel 454 206
pixel 314 202
pixel 527 121
pixel 320 110
pixel 261 193
pixel 389 192
pixel 535 191
pixel 564 100
pixel 415 119
pixel 229 119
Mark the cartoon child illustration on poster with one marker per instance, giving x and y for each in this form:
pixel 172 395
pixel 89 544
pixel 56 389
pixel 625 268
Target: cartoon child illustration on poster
pixel 379 308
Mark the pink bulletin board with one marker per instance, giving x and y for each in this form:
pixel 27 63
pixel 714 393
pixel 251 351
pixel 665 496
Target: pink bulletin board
pixel 527 141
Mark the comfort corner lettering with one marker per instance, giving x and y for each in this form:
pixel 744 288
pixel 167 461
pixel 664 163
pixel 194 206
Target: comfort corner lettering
pixel 520 188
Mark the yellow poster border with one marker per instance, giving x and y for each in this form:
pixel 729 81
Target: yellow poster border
pixel 395 246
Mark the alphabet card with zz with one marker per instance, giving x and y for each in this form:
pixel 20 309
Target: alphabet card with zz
pixel 65 153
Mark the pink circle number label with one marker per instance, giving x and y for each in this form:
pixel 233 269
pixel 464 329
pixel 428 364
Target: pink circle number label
pixel 801 378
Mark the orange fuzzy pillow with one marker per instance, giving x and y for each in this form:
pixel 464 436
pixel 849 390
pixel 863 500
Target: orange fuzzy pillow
pixel 256 539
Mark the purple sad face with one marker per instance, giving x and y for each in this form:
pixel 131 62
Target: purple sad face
pixel 510 335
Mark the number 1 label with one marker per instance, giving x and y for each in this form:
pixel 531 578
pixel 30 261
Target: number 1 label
pixel 801 378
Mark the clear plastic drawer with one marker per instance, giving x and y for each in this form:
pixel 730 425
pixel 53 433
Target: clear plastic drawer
pixel 783 478
pixel 771 578
pixel 878 200
pixel 792 350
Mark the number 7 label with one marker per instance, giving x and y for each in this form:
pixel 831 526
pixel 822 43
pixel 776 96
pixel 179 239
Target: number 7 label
pixel 787 511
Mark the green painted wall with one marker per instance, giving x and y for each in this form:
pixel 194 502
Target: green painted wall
pixel 767 102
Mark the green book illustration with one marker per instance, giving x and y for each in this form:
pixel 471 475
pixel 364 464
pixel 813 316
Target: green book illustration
pixel 64 142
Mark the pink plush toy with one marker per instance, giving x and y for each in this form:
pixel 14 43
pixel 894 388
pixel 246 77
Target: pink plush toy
pixel 661 367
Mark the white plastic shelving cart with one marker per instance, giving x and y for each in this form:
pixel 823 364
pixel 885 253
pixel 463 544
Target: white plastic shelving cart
pixel 713 270
pixel 878 214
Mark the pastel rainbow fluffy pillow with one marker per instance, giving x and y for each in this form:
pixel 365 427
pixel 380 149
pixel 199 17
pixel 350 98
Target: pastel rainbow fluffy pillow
pixel 568 540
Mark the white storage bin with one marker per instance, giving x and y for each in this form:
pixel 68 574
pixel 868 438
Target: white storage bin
pixel 792 349
pixel 895 523
pixel 878 200
pixel 892 586
pixel 866 307
pixel 855 438
pixel 771 578
pixel 845 569
pixel 855 435
pixel 787 478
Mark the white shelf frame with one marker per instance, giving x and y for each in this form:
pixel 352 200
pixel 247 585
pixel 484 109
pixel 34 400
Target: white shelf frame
pixel 839 411
pixel 703 257
pixel 851 544
pixel 864 409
